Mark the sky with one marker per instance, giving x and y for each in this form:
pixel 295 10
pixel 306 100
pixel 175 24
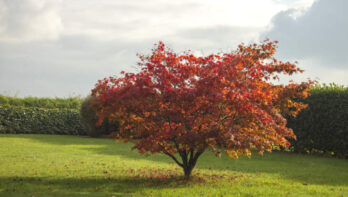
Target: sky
pixel 61 48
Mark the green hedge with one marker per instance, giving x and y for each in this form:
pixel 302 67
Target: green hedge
pixel 89 120
pixel 47 103
pixel 35 120
pixel 323 126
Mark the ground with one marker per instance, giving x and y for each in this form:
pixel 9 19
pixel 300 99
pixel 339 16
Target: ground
pixel 53 165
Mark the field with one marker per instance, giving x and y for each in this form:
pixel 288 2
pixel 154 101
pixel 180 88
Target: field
pixel 53 165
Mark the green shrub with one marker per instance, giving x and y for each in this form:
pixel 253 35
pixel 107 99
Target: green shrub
pixel 51 116
pixel 47 103
pixel 89 120
pixel 14 119
pixel 323 126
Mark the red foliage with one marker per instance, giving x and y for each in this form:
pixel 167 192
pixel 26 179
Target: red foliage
pixel 181 103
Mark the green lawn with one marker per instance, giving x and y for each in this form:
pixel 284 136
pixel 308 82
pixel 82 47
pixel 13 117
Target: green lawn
pixel 51 165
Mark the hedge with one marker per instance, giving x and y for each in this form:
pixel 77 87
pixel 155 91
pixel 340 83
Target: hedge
pixel 323 126
pixel 35 120
pixel 47 103
pixel 89 120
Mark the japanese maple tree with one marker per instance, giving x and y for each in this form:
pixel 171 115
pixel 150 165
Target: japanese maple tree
pixel 182 105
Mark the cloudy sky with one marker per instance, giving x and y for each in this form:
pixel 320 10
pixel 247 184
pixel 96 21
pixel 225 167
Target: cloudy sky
pixel 61 48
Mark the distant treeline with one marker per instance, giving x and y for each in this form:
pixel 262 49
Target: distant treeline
pixel 34 120
pixel 40 115
pixel 69 116
pixel 46 103
pixel 323 125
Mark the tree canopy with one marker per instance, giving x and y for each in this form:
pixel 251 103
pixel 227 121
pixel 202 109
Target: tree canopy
pixel 182 105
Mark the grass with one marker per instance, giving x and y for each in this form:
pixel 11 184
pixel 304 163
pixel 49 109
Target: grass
pixel 51 165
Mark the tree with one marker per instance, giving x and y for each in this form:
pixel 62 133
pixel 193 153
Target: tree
pixel 181 103
pixel 89 118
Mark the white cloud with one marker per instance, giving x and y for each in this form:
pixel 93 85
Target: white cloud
pixel 317 39
pixel 320 33
pixel 137 20
pixel 61 47
pixel 28 20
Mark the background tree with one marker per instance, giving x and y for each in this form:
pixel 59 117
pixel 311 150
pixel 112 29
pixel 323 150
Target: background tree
pixel 181 103
pixel 89 118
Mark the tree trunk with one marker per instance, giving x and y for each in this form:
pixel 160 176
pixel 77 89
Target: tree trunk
pixel 187 171
pixel 189 161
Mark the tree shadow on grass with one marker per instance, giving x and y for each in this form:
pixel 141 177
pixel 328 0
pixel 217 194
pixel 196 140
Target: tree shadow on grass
pixel 95 186
pixel 303 168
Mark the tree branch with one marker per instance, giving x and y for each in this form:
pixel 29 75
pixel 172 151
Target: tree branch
pixel 191 155
pixel 173 157
pixel 198 153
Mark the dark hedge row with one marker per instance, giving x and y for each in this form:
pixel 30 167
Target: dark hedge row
pixel 34 120
pixel 323 126
pixel 47 103
pixel 89 119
